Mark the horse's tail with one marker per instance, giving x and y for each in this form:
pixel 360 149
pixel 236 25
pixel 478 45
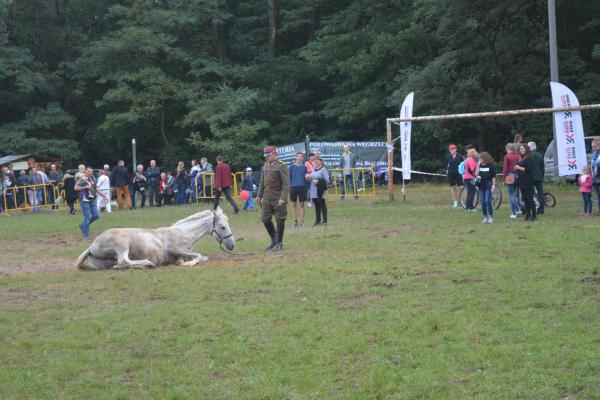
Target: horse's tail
pixel 80 263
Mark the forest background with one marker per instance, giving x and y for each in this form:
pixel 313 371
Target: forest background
pixel 190 78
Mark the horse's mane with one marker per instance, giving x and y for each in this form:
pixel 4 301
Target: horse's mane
pixel 202 214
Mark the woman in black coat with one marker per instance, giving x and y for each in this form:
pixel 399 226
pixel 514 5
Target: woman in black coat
pixel 525 169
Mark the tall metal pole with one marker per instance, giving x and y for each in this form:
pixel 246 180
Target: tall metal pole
pixel 552 41
pixel 553 68
pixel 134 155
pixel 390 154
pixel 306 147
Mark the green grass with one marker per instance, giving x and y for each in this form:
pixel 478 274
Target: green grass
pixel 390 301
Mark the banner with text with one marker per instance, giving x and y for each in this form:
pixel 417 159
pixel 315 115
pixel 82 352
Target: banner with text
pixel 570 144
pixel 367 153
pixel 405 134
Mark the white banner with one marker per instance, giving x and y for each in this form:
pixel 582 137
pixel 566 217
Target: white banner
pixel 405 130
pixel 570 145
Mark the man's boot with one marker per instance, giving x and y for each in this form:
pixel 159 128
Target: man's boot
pixel 280 230
pixel 271 231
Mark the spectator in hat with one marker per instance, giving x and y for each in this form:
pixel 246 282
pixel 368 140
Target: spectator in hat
pixel 273 193
pixel 223 184
pixel 453 160
pixel 249 185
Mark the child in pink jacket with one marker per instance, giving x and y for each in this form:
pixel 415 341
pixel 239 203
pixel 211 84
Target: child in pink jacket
pixel 585 187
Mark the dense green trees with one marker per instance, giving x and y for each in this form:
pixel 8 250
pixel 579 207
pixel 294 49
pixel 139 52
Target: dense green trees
pixel 191 78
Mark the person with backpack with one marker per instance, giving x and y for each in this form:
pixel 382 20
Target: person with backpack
pixel 453 161
pixel 469 177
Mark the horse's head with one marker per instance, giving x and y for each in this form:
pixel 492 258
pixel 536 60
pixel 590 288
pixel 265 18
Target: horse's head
pixel 221 230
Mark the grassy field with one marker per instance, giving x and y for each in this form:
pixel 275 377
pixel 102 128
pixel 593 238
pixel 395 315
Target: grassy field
pixel 400 300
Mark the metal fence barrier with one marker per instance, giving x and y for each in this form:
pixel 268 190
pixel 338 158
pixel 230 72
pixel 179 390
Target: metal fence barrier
pixel 360 183
pixel 30 198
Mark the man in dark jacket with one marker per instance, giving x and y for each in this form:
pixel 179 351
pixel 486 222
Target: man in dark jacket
pixel 223 184
pixel 120 180
pixel 153 174
pixel 538 175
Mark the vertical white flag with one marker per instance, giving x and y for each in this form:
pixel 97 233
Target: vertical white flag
pixel 570 144
pixel 405 131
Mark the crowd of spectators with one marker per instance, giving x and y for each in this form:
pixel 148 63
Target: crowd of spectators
pixel 523 171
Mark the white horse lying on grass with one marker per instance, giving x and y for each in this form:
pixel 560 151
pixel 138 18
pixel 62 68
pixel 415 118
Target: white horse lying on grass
pixel 122 248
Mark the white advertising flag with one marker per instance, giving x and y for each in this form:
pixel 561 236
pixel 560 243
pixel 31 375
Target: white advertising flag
pixel 570 145
pixel 405 130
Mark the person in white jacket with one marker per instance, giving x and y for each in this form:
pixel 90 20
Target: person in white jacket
pixel 104 185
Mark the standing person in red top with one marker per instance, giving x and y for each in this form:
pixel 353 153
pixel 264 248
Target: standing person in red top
pixel 509 176
pixel 223 183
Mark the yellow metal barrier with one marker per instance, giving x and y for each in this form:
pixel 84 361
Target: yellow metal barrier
pixel 360 183
pixel 208 187
pixel 238 180
pixel 31 198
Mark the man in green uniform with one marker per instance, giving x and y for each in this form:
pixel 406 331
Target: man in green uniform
pixel 272 196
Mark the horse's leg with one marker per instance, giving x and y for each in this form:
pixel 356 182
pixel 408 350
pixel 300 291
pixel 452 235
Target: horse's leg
pixel 195 257
pixel 125 262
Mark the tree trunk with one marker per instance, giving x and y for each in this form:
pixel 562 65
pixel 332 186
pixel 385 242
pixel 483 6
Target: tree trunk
pixel 313 24
pixel 162 123
pixel 272 29
pixel 14 22
pixel 216 40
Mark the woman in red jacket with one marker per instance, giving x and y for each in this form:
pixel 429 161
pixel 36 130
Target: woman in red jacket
pixel 509 176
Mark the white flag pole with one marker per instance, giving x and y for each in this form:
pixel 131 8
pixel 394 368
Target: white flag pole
pixel 570 145
pixel 405 138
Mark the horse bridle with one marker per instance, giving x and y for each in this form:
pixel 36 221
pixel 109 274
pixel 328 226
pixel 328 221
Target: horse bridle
pixel 214 230
pixel 221 238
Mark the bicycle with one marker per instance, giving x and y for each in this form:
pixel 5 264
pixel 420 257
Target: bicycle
pixel 496 197
pixel 549 200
